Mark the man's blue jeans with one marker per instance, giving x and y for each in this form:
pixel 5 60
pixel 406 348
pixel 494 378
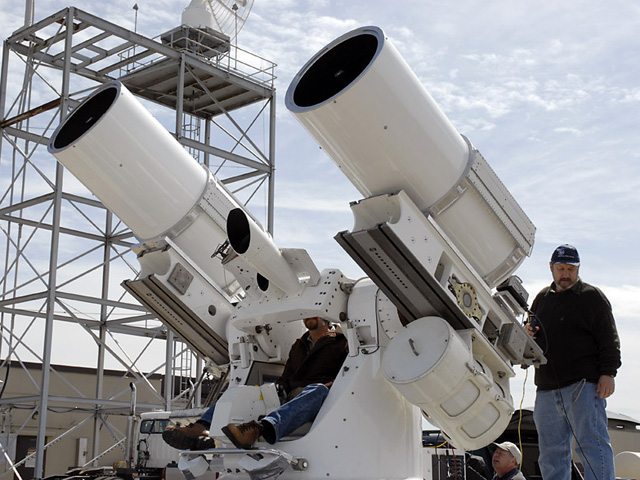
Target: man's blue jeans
pixel 573 410
pixel 296 412
pixel 208 416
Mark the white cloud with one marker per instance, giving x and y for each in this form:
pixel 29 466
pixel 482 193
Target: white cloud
pixel 572 131
pixel 625 300
pixel 631 95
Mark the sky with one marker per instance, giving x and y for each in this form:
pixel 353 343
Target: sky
pixel 547 91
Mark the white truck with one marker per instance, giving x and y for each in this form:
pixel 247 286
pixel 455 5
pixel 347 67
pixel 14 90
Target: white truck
pixel 153 455
pixel 433 330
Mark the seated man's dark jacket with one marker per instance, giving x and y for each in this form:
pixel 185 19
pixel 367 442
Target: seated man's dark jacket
pixel 318 364
pixel 578 336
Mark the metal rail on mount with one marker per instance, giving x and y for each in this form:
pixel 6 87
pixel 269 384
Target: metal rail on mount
pixel 264 463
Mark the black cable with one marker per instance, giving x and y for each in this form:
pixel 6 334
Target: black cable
pixel 564 412
pixel 455 463
pixel 143 455
pixel 533 321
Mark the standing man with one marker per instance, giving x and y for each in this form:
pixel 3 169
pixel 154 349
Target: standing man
pixel 573 324
pixel 505 462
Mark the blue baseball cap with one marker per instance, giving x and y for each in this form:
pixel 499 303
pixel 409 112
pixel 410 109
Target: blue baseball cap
pixel 566 254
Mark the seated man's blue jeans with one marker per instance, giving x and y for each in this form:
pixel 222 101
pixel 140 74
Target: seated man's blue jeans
pixel 296 412
pixel 207 417
pixel 573 410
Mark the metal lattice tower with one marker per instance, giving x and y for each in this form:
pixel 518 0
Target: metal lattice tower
pixel 64 254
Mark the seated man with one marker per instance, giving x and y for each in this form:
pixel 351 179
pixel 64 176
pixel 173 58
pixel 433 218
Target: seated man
pixel 314 362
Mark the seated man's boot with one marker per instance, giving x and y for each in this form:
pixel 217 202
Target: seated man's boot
pixel 192 437
pixel 243 435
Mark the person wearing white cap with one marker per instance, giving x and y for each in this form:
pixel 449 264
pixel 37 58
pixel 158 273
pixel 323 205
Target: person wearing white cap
pixel 505 462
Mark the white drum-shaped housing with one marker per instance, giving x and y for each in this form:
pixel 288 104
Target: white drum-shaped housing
pixel 142 174
pixel 198 14
pixel 369 112
pixel 433 368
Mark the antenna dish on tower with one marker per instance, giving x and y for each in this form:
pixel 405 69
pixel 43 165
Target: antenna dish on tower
pixel 224 16
pixel 230 15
